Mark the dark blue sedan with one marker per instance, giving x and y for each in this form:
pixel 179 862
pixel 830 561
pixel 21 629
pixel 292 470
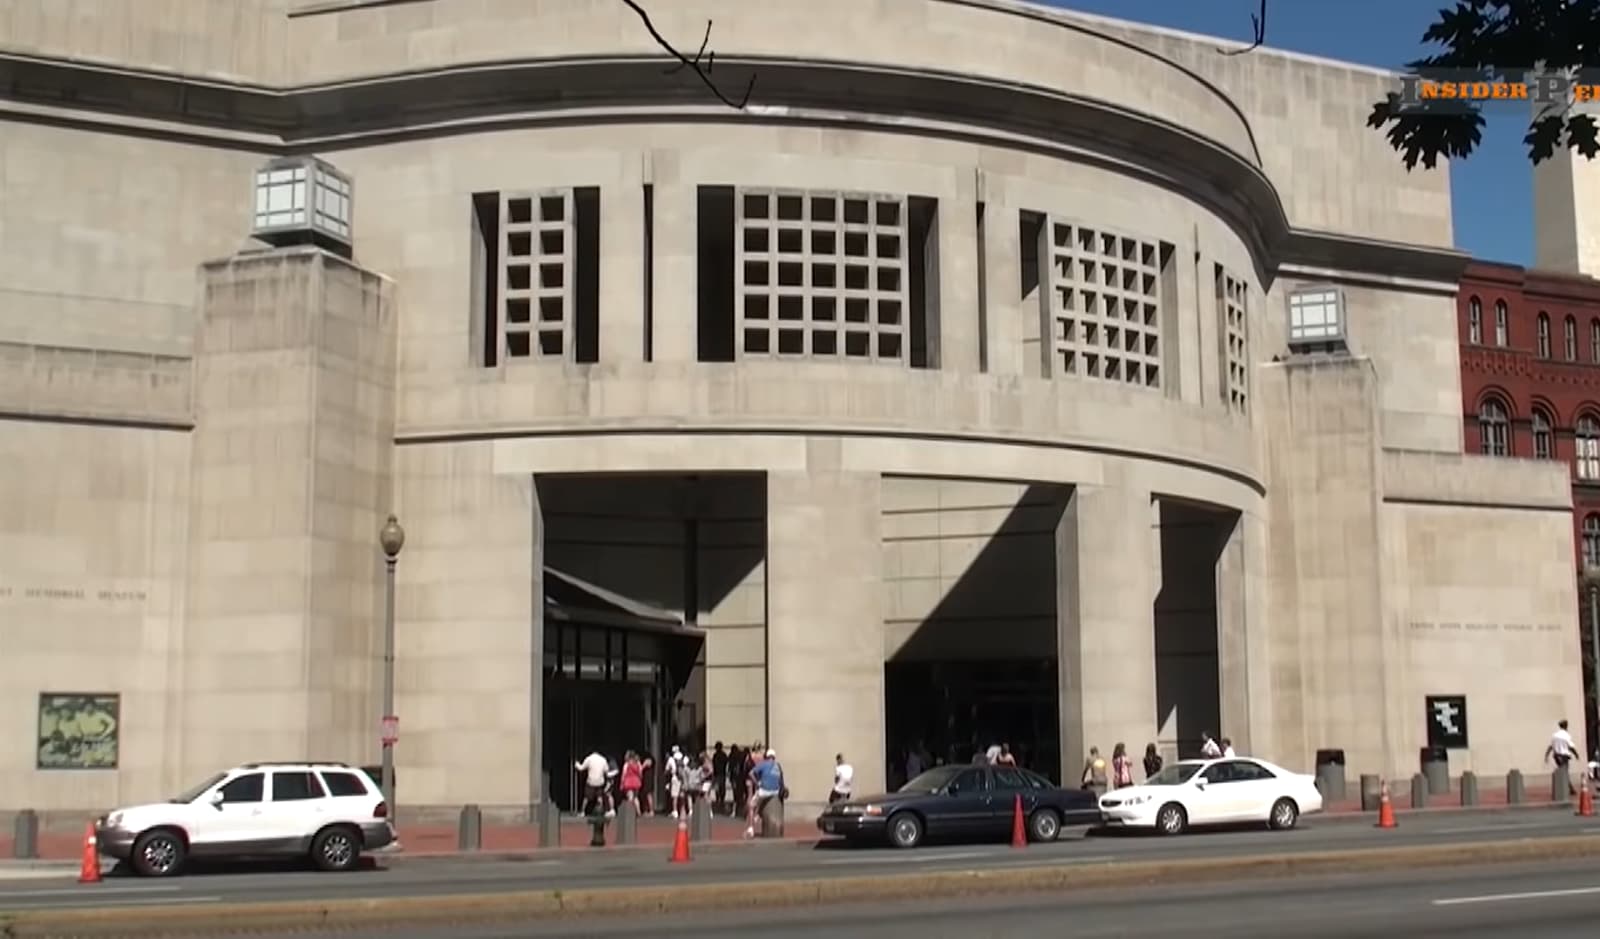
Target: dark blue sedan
pixel 962 802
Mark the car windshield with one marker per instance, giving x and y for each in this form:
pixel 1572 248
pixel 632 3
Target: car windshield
pixel 933 780
pixel 191 794
pixel 1174 775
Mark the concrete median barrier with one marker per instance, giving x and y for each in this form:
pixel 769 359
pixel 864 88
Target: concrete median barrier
pixel 216 920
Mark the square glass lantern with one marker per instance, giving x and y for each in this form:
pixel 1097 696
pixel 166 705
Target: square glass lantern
pixel 1316 317
pixel 303 200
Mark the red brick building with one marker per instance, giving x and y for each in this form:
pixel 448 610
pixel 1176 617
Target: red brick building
pixel 1530 385
pixel 1530 376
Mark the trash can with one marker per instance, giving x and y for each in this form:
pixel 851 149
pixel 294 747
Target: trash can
pixel 1436 769
pixel 1330 775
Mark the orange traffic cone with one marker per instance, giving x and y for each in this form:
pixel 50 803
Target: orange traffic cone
pixel 1385 809
pixel 89 868
pixel 1585 800
pixel 680 845
pixel 1019 834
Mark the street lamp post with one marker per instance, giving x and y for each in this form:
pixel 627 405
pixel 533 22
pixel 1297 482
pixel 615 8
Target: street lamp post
pixel 391 539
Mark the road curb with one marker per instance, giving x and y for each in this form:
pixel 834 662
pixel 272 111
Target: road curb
pixel 232 918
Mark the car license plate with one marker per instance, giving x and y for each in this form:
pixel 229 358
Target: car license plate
pixel 830 827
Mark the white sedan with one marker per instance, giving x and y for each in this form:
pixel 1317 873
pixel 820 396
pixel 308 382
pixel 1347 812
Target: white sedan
pixel 1213 792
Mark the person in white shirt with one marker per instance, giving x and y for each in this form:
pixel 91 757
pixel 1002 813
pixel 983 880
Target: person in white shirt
pixel 594 768
pixel 1208 747
pixel 1560 752
pixel 843 775
pixel 1227 749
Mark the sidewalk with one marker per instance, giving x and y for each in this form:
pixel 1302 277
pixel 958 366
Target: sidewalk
pixel 437 840
pixel 658 832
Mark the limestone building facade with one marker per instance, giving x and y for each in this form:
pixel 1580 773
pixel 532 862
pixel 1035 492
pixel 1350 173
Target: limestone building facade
pixel 997 372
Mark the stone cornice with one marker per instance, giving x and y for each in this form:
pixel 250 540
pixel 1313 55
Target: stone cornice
pixel 469 99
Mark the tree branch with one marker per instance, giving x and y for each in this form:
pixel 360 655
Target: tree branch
pixel 1258 29
pixel 702 61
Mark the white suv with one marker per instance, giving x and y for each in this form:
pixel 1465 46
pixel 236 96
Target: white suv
pixel 327 811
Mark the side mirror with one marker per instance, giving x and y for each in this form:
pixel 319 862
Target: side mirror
pixel 1199 783
pixel 215 799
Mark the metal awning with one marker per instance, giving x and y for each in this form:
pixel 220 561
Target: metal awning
pixel 571 599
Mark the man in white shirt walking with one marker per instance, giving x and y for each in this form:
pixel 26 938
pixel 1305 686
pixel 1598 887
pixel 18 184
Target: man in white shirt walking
pixel 594 768
pixel 843 776
pixel 1560 752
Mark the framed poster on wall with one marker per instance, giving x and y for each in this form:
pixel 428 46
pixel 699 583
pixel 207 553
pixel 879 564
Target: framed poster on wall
pixel 79 730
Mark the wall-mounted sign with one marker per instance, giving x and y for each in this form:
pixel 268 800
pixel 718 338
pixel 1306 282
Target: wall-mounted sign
pixel 1447 721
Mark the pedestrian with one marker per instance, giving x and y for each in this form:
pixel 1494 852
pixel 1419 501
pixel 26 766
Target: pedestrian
pixel 1094 772
pixel 738 782
pixel 1208 747
pixel 768 779
pixel 1152 760
pixel 594 768
pixel 915 763
pixel 843 779
pixel 1121 767
pixel 1560 752
pixel 677 771
pixel 1227 749
pixel 632 778
pixel 719 776
pixel 1005 757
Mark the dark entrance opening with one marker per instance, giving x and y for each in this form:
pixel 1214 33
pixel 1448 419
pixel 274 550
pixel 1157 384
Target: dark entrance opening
pixel 970 628
pixel 957 708
pixel 612 668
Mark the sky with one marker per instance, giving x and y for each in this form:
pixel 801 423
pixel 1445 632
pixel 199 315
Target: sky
pixel 1492 191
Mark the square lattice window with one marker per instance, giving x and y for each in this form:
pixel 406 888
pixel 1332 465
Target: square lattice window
pixel 821 274
pixel 1234 330
pixel 1103 303
pixel 536 272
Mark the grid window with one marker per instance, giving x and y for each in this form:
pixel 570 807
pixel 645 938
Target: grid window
pixel 1494 429
pixel 536 276
pixel 1475 321
pixel 1591 541
pixel 1586 448
pixel 1502 324
pixel 1571 339
pixel 1103 305
pixel 1232 297
pixel 822 274
pixel 1543 436
pixel 281 197
pixel 1544 335
pixel 1315 315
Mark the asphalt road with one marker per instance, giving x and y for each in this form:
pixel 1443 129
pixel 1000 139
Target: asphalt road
pixel 1528 902
pixel 764 862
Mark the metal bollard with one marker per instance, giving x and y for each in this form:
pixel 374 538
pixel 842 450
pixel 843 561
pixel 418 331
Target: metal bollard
pixel 1469 788
pixel 627 823
pixel 469 830
pixel 1419 791
pixel 25 835
pixel 1371 790
pixel 700 822
pixel 549 817
pixel 1514 787
pixel 597 827
pixel 772 818
pixel 1560 785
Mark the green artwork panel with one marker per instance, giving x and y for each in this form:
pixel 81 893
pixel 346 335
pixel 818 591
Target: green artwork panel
pixel 79 731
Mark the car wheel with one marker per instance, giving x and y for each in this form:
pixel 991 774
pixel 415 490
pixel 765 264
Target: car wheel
pixel 1044 825
pixel 336 849
pixel 159 853
pixel 905 830
pixel 1284 815
pixel 1172 819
